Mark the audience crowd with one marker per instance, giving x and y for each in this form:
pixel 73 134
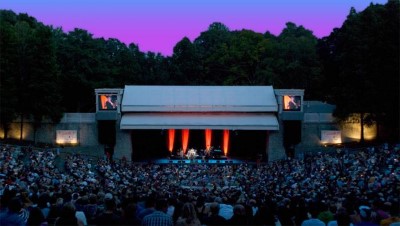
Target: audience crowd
pixel 344 188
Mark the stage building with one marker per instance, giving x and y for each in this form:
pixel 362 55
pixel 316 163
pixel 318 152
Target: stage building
pixel 160 121
pixel 246 122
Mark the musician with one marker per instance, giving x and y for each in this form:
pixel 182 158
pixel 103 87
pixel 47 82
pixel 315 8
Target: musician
pixel 292 105
pixel 180 153
pixel 191 154
pixel 207 151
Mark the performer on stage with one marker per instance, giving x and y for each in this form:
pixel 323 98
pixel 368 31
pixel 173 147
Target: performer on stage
pixel 180 153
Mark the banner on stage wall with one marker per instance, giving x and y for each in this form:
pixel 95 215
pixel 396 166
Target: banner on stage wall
pixel 331 137
pixel 66 137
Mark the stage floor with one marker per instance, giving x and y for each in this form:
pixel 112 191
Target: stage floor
pixel 199 161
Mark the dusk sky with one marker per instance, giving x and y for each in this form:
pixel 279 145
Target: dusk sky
pixel 157 25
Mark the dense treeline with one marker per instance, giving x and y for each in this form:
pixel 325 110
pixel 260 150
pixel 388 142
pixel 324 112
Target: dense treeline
pixel 45 71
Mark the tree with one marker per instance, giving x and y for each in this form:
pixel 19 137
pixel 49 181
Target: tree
pixel 45 100
pixel 29 71
pixel 295 61
pixel 79 57
pixel 212 46
pixel 8 74
pixel 186 63
pixel 245 56
pixel 364 57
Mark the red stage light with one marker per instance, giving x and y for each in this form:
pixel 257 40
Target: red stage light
pixel 171 139
pixel 226 141
pixel 208 133
pixel 185 139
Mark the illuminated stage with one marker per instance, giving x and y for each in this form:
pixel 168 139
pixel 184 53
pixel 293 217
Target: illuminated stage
pixel 159 144
pixel 163 120
pixel 200 161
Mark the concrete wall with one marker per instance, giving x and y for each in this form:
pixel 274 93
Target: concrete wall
pixel 84 123
pixel 87 132
pixel 86 126
pixel 276 151
pixel 311 133
pixel 123 147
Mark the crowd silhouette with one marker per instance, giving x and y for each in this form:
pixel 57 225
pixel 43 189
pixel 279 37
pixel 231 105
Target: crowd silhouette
pixel 343 188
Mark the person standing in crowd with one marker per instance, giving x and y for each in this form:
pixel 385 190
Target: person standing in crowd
pixel 225 210
pixel 313 221
pixel 36 217
pixel 129 214
pixel 365 217
pixel 214 218
pixel 67 216
pixel 10 217
pixel 341 218
pixel 149 207
pixel 108 217
pixel 239 216
pixel 159 217
pixel 264 216
pixel 188 216
pixel 200 207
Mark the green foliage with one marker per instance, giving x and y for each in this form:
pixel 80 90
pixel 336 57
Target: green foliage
pixel 245 59
pixel 186 64
pixel 29 71
pixel 295 62
pixel 362 65
pixel 356 67
pixel 8 65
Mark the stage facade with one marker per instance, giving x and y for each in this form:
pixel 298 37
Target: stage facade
pixel 209 121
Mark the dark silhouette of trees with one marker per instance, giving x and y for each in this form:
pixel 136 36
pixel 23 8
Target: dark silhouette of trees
pixel 361 65
pixel 356 67
pixel 29 76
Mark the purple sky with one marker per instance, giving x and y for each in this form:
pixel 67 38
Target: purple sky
pixel 157 25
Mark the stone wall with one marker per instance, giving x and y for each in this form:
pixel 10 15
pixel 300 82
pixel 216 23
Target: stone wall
pixel 276 151
pixel 87 132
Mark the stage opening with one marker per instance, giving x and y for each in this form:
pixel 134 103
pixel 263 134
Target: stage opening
pixel 200 144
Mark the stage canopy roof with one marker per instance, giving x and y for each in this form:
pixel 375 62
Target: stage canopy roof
pixel 199 99
pixel 231 121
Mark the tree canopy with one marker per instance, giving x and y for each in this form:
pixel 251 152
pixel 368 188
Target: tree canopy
pixel 361 65
pixel 46 71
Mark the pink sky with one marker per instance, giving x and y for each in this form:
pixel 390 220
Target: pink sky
pixel 157 25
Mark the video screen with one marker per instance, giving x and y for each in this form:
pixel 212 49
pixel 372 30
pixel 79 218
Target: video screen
pixel 291 103
pixel 108 102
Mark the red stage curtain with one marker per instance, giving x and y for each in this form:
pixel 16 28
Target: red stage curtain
pixel 208 138
pixel 171 139
pixel 185 139
pixel 226 141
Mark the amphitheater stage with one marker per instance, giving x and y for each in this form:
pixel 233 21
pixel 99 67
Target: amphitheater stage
pixel 219 161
